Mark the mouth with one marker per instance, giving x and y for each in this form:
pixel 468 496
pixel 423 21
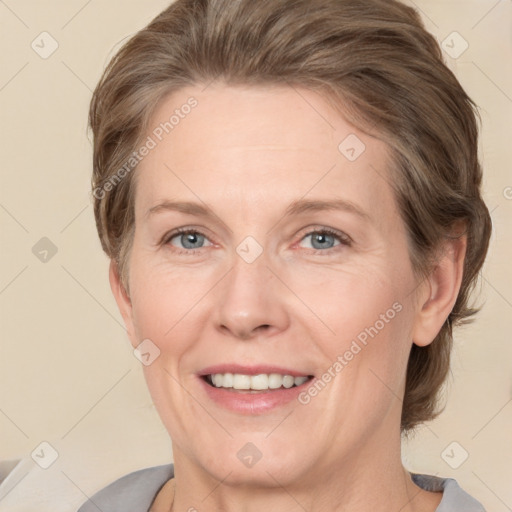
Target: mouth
pixel 262 382
pixel 253 390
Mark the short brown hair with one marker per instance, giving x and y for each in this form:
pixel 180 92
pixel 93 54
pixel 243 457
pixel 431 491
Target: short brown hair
pixel 375 61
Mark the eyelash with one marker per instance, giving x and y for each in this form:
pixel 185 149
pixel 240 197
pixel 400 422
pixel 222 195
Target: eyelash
pixel 344 239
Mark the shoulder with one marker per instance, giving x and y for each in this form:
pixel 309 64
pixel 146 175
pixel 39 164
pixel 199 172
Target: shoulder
pixel 133 492
pixel 455 499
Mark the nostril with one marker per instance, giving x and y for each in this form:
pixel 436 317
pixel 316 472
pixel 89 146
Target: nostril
pixel 261 328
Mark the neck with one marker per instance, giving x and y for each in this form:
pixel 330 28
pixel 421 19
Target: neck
pixel 370 477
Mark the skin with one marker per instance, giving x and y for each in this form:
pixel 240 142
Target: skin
pixel 247 153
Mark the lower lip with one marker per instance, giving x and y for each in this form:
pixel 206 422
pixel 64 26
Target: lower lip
pixel 252 403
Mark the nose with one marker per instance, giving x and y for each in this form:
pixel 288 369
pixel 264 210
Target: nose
pixel 252 302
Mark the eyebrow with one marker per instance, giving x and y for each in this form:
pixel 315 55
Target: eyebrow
pixel 315 205
pixel 182 207
pixel 297 207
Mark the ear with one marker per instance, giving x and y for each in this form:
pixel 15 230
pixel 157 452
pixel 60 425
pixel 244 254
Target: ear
pixel 123 300
pixel 439 293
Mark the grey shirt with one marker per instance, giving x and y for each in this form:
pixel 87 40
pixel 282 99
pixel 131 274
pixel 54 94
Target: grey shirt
pixel 136 492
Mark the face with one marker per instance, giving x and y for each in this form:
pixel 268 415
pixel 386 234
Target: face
pixel 268 241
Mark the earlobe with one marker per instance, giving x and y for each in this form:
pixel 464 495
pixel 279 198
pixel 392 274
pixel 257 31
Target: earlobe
pixel 440 295
pixel 122 299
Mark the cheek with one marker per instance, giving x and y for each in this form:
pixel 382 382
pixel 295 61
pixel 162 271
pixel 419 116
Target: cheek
pixel 167 303
pixel 362 321
pixel 350 299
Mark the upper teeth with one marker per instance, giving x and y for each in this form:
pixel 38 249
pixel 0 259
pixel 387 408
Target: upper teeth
pixel 258 382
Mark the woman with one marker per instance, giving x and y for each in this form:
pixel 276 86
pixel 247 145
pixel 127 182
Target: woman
pixel 289 193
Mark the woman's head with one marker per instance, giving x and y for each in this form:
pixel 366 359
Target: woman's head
pixel 245 108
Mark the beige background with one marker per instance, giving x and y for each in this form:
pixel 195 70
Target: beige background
pixel 68 375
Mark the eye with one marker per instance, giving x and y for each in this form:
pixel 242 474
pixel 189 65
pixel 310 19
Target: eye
pixel 325 239
pixel 187 239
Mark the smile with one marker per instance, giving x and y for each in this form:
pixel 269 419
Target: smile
pixel 261 382
pixel 253 389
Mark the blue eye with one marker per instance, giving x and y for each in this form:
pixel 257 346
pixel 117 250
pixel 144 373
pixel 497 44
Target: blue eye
pixel 325 239
pixel 322 240
pixel 188 239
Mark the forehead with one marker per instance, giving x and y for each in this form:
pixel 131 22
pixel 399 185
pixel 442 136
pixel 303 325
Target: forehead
pixel 259 144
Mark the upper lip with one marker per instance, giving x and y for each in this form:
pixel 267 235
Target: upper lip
pixel 251 370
